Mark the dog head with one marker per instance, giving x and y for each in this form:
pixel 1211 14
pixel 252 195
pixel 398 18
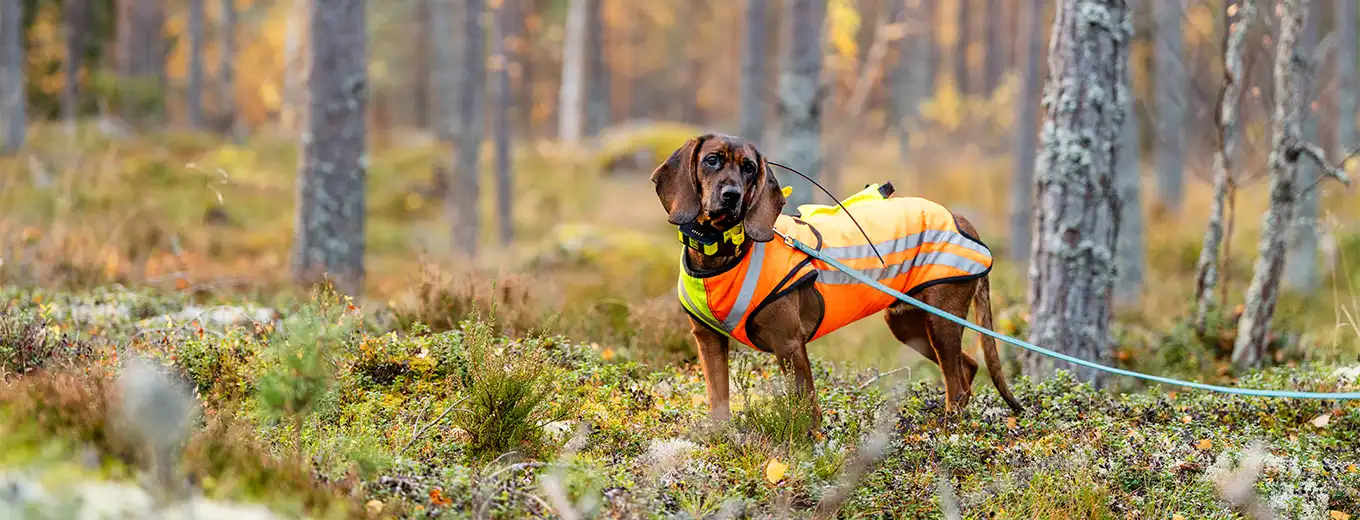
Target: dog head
pixel 718 181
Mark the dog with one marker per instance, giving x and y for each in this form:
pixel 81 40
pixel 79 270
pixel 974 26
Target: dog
pixel 738 282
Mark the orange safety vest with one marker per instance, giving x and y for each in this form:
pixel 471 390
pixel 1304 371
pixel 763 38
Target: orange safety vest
pixel 920 242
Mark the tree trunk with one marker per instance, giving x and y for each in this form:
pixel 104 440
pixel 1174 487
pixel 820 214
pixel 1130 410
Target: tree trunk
pixel 294 69
pixel 226 77
pixel 992 62
pixel 77 22
pixel 1128 285
pixel 1171 92
pixel 420 81
pixel 1301 273
pixel 141 56
pixel 13 97
pixel 800 97
pixel 1027 130
pixel 331 178
pixel 597 70
pixel 753 73
pixel 1348 84
pixel 194 88
pixel 1259 307
pixel 445 19
pixel 1072 268
pixel 1206 268
pixel 463 200
pixel 910 75
pixel 964 31
pixel 571 100
pixel 505 24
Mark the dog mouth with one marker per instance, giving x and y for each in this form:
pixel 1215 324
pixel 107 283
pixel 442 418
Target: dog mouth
pixel 718 218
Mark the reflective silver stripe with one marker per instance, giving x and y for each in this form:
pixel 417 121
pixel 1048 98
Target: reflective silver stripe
pixel 748 287
pixel 905 243
pixel 834 277
pixel 699 313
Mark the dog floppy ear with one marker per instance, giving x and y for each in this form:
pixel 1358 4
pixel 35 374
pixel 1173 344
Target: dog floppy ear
pixel 765 208
pixel 677 184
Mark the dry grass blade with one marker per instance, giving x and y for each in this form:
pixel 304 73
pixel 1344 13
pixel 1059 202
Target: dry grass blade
pixel 866 455
pixel 1236 487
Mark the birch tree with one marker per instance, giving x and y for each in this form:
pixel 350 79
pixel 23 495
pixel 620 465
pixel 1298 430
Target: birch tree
pixel 1301 239
pixel 571 95
pixel 1287 147
pixel 1239 15
pixel 505 23
pixel 1172 88
pixel 753 72
pixel 1077 220
pixel 194 89
pixel 329 229
pixel 13 97
pixel 1348 84
pixel 800 96
pixel 1027 130
pixel 462 201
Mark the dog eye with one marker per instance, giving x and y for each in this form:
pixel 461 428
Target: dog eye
pixel 748 167
pixel 712 160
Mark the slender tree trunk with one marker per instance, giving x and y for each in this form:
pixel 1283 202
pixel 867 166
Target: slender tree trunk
pixel 753 73
pixel 1172 89
pixel 1301 274
pixel 910 75
pixel 331 178
pixel 505 23
pixel 992 62
pixel 597 70
pixel 194 88
pixel 226 76
pixel 1072 267
pixel 1206 268
pixel 13 97
pixel 294 68
pixel 962 81
pixel 1128 285
pixel 571 100
pixel 77 20
pixel 1347 82
pixel 445 21
pixel 800 97
pixel 420 82
pixel 1259 307
pixel 463 201
pixel 1027 130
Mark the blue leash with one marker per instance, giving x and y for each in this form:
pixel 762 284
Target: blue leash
pixel 1035 348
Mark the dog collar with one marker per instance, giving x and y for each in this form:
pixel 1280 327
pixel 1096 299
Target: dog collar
pixel 707 241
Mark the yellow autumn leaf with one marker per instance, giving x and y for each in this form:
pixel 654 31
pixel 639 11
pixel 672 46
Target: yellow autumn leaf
pixel 774 470
pixel 1177 516
pixel 1204 444
pixel 1321 421
pixel 1337 515
pixel 696 400
pixel 1186 419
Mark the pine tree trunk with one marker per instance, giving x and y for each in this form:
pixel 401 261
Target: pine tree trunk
pixel 1128 286
pixel 1077 220
pixel 77 19
pixel 331 178
pixel 991 64
pixel 1027 130
pixel 445 22
pixel 194 88
pixel 1171 93
pixel 800 97
pixel 910 78
pixel 571 96
pixel 420 80
pixel 962 81
pixel 1301 274
pixel 13 96
pixel 505 23
pixel 1259 307
pixel 1347 82
pixel 1206 268
pixel 753 73
pixel 462 204
pixel 597 70
pixel 226 76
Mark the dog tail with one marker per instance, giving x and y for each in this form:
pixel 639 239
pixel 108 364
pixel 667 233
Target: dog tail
pixel 982 301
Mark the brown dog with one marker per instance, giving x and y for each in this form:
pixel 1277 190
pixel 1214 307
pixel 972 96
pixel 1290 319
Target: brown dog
pixel 716 182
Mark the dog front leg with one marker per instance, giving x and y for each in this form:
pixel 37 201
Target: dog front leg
pixel 794 356
pixel 713 360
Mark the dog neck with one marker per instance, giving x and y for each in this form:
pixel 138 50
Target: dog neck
pixel 727 256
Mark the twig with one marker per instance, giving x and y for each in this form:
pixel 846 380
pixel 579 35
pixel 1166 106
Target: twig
pixel 869 452
pixel 1336 171
pixel 878 376
pixel 436 420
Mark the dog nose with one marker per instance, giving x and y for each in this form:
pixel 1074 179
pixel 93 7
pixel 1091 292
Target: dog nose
pixel 730 194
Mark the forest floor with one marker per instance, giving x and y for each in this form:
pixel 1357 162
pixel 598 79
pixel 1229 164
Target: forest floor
pixel 173 248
